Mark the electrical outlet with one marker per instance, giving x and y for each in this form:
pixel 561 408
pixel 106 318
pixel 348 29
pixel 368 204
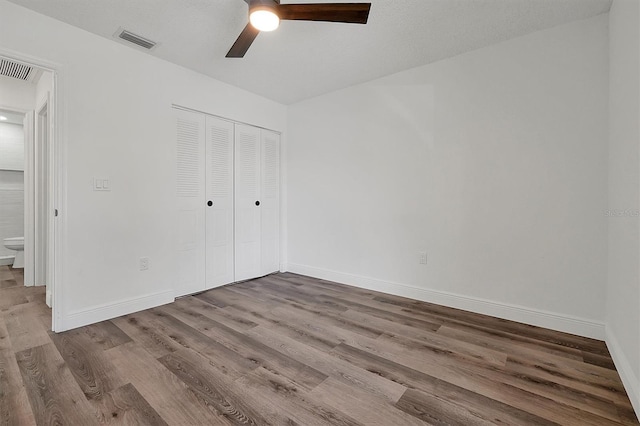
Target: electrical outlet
pixel 144 263
pixel 423 257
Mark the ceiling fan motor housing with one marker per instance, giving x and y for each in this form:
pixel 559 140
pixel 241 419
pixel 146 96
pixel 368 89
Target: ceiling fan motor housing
pixel 269 5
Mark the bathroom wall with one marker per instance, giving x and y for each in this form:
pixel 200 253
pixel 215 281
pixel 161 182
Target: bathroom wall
pixel 11 147
pixel 11 184
pixel 19 96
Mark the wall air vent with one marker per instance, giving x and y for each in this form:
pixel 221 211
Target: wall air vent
pixel 16 70
pixel 136 39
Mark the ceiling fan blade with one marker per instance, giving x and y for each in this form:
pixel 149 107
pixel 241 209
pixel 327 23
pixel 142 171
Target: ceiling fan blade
pixel 353 13
pixel 243 42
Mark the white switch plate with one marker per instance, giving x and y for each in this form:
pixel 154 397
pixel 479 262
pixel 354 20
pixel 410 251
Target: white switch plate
pixel 423 257
pixel 101 184
pixel 144 263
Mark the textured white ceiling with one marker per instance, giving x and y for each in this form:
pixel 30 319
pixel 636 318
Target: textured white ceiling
pixel 305 59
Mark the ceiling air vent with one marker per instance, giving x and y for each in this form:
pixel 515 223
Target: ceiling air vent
pixel 136 39
pixel 15 70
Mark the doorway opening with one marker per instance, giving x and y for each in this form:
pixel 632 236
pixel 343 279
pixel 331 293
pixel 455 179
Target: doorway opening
pixel 27 224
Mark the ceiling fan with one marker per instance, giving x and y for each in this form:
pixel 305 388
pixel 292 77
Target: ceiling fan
pixel 265 15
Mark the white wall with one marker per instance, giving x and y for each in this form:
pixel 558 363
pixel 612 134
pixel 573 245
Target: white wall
pixel 117 124
pixel 11 147
pixel 16 95
pixel 11 209
pixel 623 295
pixel 494 162
pixel 11 184
pixel 44 86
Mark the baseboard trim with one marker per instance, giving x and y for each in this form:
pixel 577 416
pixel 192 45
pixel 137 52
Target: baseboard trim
pixel 540 318
pixel 112 310
pixel 630 381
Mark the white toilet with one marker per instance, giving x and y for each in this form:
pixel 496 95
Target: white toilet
pixel 17 244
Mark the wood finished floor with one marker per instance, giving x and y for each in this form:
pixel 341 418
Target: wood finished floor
pixel 292 350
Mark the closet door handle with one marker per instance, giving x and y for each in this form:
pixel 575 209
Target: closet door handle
pixel 209 203
pixel 257 203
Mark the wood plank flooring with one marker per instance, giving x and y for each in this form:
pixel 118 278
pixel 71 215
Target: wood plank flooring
pixel 292 350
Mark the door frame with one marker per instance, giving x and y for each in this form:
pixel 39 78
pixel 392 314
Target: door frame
pixel 57 183
pixel 41 183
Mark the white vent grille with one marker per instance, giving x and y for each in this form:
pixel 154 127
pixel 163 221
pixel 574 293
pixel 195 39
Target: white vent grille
pixel 15 70
pixel 136 39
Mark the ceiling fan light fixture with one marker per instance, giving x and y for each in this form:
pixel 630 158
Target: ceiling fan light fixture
pixel 265 15
pixel 264 18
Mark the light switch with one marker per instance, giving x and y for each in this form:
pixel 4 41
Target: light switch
pixel 101 184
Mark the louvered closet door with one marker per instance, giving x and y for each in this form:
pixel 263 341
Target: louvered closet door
pixel 247 208
pixel 219 216
pixel 270 202
pixel 190 176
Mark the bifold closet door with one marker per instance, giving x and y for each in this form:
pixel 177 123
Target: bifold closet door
pixel 190 185
pixel 228 202
pixel 219 210
pixel 247 202
pixel 270 202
